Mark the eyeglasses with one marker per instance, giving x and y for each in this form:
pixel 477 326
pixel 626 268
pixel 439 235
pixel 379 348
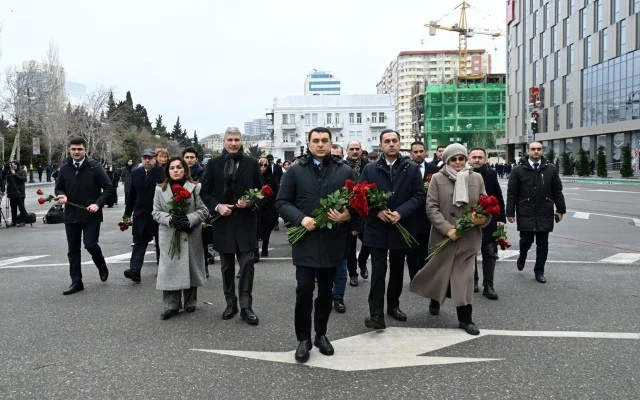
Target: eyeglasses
pixel 535 148
pixel 458 158
pixel 264 165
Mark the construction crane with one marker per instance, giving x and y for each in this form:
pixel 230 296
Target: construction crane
pixel 464 33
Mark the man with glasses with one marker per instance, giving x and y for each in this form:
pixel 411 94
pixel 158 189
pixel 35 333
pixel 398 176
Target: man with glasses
pixel 534 188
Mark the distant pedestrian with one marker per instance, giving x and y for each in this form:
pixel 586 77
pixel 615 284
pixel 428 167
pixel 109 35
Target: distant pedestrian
pixel 125 176
pixel 84 182
pixel 49 171
pixel 15 179
pixel 534 188
pixel 40 171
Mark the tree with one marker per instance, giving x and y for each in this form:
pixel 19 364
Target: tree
pixel 141 118
pixel 111 105
pixel 626 171
pixel 255 151
pixel 601 163
pixel 583 163
pixel 567 164
pixel 550 156
pixel 160 129
pixel 177 130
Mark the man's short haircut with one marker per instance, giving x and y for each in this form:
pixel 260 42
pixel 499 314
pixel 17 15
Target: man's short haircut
pixel 190 149
pixel 440 146
pixel 479 148
pixel 232 130
pixel 336 146
pixel 318 129
pixel 387 131
pixel 78 140
pixel 418 143
pixel 352 141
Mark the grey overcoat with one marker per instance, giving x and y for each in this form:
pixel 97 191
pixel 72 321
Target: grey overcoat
pixel 186 271
pixel 456 263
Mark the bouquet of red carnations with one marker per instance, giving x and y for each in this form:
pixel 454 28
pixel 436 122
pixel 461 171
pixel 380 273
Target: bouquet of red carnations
pixel 50 197
pixel 501 238
pixel 254 195
pixel 177 206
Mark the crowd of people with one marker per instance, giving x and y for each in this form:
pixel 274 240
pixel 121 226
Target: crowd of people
pixel 185 208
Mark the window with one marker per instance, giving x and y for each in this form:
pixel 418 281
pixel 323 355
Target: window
pixel 336 117
pixel 543 44
pixel 570 58
pixel 604 48
pixel 547 19
pixel 314 119
pixel 622 37
pixel 556 118
pixel 572 6
pixel 558 62
pixel 636 6
pixel 381 117
pixel 358 118
pixel 545 70
pixel 531 50
pixel 583 23
pixel 587 52
pixel 598 15
pixel 558 10
pixel 545 121
pixel 615 11
pixel 570 116
pixel 565 89
pixel 352 118
pixel 288 118
pixel 374 117
pixel 553 93
pixel 535 22
pixel 535 73
pixel 554 36
pixel 307 119
pixel 329 118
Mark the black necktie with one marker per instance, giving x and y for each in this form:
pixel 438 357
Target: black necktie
pixel 77 164
pixel 535 165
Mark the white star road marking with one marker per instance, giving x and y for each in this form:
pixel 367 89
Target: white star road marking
pixel 402 347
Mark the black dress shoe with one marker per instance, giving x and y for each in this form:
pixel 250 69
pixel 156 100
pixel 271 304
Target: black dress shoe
pixel 229 312
pixel 302 352
pixel 489 293
pixel 134 276
pixel 364 272
pixel 104 274
pixel 541 279
pixel 375 322
pixel 353 281
pixel 520 264
pixel 434 307
pixel 190 309
pixel 470 328
pixel 339 306
pixel 397 314
pixel 323 344
pixel 166 314
pixel 248 315
pixel 74 288
pixel 264 253
pixel 476 289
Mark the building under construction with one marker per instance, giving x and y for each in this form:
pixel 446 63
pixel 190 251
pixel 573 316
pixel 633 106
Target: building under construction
pixel 469 110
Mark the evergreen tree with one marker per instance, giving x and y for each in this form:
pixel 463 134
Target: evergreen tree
pixel 111 105
pixel 185 140
pixel 626 171
pixel 177 130
pixel 129 101
pixel 550 156
pixel 141 118
pixel 583 163
pixel 601 163
pixel 4 124
pixel 160 129
pixel 567 164
pixel 255 151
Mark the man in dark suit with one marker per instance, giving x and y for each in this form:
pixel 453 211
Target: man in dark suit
pixel 226 180
pixel 83 182
pixel 417 255
pixel 437 157
pixel 392 174
pixel 139 203
pixel 276 169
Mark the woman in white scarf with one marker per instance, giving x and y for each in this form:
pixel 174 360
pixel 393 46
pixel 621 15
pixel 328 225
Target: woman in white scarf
pixel 450 273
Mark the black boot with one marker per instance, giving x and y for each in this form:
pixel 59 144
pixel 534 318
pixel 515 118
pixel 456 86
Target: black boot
pixel 265 249
pixel 434 307
pixel 465 322
pixel 256 255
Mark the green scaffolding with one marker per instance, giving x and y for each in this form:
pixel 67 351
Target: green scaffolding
pixel 468 113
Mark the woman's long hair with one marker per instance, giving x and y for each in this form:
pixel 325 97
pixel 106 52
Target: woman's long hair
pixel 167 179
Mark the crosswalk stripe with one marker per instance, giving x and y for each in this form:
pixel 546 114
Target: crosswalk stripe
pixel 622 258
pixel 581 215
pixel 503 254
pixel 19 260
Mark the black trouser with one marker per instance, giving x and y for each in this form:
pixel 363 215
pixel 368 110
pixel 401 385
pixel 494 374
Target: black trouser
pixel 542 249
pixel 306 278
pixel 48 177
pixel 140 244
pixel 361 260
pixel 378 275
pixel 265 228
pixel 489 252
pixel 17 203
pixel 40 176
pixel 245 284
pixel 417 255
pixel 88 233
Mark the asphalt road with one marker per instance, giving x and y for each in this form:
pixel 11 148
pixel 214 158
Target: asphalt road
pixel 538 342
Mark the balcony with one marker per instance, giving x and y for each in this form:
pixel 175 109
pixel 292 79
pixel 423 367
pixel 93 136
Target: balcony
pixel 378 124
pixel 287 145
pixel 288 127
pixel 270 126
pixel 334 126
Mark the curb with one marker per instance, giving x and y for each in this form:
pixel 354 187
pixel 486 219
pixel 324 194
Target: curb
pixel 606 181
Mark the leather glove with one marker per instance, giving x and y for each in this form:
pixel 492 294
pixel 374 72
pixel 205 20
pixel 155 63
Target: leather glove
pixel 182 223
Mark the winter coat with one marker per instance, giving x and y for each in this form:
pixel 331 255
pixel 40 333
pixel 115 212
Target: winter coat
pixel 88 185
pixel 407 195
pixel 140 201
pixel 491 185
pixel 532 194
pixel 237 232
pixel 453 266
pixel 301 189
pixel 125 175
pixel 15 183
pixel 268 214
pixel 197 172
pixel 186 271
pixel 421 224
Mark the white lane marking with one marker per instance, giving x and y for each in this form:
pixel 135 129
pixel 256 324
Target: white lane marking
pixel 66 264
pixel 636 222
pixel 604 215
pixel 119 257
pixel 502 254
pixel 622 258
pixel 19 259
pixel 581 215
pixel 610 191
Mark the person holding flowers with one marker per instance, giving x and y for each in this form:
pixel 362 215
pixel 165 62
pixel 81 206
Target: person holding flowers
pixel 453 194
pixel 179 211
pixel 321 250
pixel 268 214
pixel 401 179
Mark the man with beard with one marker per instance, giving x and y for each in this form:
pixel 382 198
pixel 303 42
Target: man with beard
pixel 139 204
pixel 354 160
pixel 437 157
pixel 489 249
pixel 421 226
pixel 227 179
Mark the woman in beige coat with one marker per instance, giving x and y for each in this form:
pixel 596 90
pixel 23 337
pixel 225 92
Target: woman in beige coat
pixel 450 273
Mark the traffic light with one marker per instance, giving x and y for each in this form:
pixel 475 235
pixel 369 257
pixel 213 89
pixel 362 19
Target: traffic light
pixel 534 122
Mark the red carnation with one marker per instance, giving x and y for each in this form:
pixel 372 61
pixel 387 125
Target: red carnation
pixel 39 192
pixel 185 194
pixel 177 198
pixel 41 200
pixel 266 191
pixel 349 184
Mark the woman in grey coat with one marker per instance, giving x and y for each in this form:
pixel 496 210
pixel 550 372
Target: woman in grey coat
pixel 450 273
pixel 181 275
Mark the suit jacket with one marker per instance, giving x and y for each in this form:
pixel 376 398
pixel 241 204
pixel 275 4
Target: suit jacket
pixel 238 231
pixel 140 200
pixel 421 224
pixel 277 173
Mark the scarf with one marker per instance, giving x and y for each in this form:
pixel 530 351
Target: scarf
pixel 356 165
pixel 179 182
pixel 229 173
pixel 461 186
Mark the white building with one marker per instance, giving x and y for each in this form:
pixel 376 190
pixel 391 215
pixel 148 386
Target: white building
pixel 256 129
pixel 76 92
pixel 212 143
pixel 353 117
pixel 411 67
pixel 320 83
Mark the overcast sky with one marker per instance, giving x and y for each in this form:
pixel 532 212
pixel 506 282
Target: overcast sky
pixel 220 63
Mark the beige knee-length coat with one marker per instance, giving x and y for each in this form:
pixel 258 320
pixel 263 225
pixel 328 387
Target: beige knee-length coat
pixel 456 263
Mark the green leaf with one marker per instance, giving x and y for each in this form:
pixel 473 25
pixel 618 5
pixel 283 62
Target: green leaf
pixel 329 225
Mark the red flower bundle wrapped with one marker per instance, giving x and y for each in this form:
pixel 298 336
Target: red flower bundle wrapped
pixel 178 206
pixel 50 197
pixel 500 236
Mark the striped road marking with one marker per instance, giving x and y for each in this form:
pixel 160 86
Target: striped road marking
pixel 622 258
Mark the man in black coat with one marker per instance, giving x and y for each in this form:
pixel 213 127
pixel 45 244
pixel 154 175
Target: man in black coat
pixel 139 204
pixel 190 155
pixel 320 251
pixel 83 182
pixel 392 174
pixel 489 249
pixel 15 179
pixel 227 179
pixel 417 255
pixel 534 188
pixel 437 157
pixel 276 169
